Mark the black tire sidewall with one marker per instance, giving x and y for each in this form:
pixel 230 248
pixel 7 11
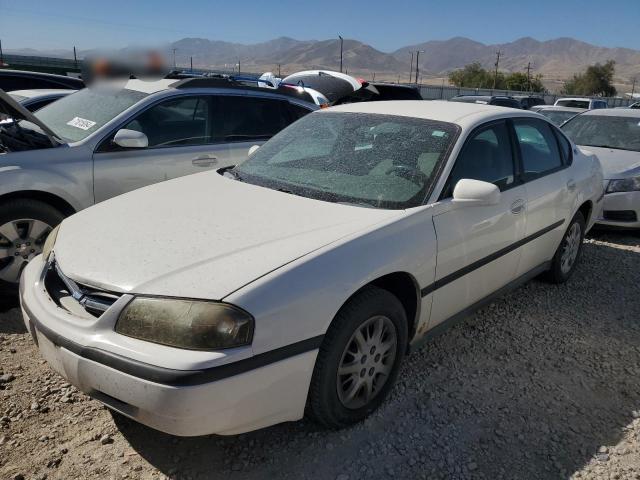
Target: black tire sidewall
pixel 368 303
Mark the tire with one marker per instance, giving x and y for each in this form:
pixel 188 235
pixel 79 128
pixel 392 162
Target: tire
pixel 560 271
pixel 30 221
pixel 328 401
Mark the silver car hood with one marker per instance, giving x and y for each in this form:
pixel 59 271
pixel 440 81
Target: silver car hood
pixel 201 236
pixel 16 111
pixel 616 163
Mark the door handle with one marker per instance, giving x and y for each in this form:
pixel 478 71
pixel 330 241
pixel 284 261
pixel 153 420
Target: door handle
pixel 571 185
pixel 517 206
pixel 204 161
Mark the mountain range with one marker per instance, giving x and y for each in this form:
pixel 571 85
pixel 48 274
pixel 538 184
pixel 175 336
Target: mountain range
pixel 556 59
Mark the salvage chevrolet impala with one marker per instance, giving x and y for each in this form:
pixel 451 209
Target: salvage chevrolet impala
pixel 297 281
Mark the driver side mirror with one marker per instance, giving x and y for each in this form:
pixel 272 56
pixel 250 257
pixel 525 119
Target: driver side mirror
pixel 476 193
pixel 130 139
pixel 252 150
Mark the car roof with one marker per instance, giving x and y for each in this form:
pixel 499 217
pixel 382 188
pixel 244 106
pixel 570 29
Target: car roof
pixel 461 113
pixel 42 92
pixel 614 112
pixel 579 99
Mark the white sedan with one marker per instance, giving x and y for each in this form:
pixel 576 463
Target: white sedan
pixel 614 136
pixel 297 281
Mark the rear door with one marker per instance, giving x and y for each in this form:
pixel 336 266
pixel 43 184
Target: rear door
pixel 478 245
pixel 250 120
pixel 550 190
pixel 185 137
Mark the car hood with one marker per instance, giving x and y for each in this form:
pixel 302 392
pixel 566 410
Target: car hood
pixel 13 109
pixel 616 163
pixel 201 236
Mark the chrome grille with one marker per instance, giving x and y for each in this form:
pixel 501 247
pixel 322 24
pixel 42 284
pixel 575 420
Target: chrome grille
pixel 92 300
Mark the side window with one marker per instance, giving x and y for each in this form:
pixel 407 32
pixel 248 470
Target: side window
pixel 297 112
pixel 565 147
pixel 253 118
pixel 175 122
pixel 538 147
pixel 486 156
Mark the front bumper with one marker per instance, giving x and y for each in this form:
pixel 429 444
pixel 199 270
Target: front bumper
pixel 181 402
pixel 621 210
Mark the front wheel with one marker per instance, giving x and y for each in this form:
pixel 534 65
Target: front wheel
pixel 24 226
pixel 359 359
pixel 566 257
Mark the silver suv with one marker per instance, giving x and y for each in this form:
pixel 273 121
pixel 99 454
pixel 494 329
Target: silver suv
pixel 104 141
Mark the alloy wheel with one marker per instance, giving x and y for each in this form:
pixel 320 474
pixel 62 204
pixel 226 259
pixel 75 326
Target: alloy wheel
pixel 20 241
pixel 571 248
pixel 367 362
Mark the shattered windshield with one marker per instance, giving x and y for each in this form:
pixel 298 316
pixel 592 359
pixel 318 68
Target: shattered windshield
pixel 380 161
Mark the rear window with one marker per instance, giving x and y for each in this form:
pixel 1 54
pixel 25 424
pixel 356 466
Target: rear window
pixel 573 103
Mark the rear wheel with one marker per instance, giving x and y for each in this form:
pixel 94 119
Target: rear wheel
pixel 24 226
pixel 566 257
pixel 359 359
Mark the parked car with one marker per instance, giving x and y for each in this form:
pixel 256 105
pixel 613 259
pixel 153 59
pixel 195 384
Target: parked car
pixel 23 80
pixel 34 100
pixel 614 136
pixel 586 103
pixel 311 268
pixel 101 142
pixel 528 101
pixel 635 105
pixel 558 115
pixel 500 101
pixel 382 92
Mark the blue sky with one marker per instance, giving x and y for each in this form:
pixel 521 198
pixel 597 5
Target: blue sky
pixel 386 25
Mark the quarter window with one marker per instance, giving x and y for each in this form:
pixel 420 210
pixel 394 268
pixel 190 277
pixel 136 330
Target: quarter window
pixel 538 148
pixel 486 156
pixel 181 121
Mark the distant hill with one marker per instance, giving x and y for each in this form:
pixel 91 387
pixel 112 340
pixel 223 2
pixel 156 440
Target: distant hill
pixel 556 59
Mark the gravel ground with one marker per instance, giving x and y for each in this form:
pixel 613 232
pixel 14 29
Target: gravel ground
pixel 541 384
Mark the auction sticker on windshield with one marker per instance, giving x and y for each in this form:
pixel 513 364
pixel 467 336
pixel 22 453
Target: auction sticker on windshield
pixel 81 123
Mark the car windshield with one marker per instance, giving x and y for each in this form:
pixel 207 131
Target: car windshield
pixel 78 115
pixel 573 103
pixel 380 161
pixel 621 133
pixel 557 116
pixel 17 98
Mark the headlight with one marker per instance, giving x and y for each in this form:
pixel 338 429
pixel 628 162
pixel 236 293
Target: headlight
pixel 624 185
pixel 190 324
pixel 49 243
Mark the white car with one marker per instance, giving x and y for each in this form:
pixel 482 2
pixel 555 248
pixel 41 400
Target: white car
pixel 614 136
pixel 296 282
pixel 581 102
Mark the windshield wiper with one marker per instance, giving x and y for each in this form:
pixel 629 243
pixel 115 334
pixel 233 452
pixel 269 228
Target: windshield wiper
pixel 233 173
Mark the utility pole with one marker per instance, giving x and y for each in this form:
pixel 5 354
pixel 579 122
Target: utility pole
pixel 495 76
pixel 1 57
pixel 279 76
pixel 633 87
pixel 191 61
pixel 411 68
pixel 341 43
pixel 75 57
pixel 529 77
pixel 418 52
pixel 174 58
pixel 374 77
pixel 238 65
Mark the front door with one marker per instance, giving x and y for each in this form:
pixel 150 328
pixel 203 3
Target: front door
pixel 478 245
pixel 184 136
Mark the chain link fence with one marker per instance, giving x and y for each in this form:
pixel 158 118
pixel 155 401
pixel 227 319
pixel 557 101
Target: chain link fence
pixel 443 92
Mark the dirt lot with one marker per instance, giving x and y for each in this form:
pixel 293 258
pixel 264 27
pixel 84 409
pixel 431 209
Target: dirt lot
pixel 541 384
